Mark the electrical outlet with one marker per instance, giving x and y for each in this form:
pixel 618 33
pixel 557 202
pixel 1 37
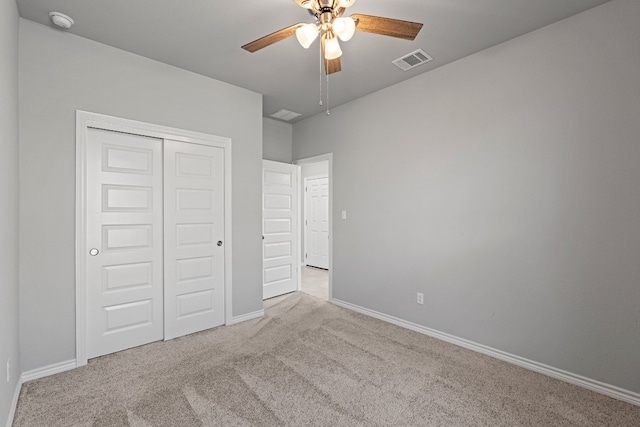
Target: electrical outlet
pixel 420 299
pixel 8 370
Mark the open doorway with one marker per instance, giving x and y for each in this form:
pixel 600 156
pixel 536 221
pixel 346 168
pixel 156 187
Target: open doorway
pixel 315 225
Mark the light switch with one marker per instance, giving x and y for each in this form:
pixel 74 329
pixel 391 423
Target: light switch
pixel 344 214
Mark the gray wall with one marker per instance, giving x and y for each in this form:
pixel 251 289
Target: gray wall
pixel 8 202
pixel 505 186
pixel 277 140
pixel 60 73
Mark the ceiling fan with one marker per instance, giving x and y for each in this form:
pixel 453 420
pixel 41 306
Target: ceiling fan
pixel 330 25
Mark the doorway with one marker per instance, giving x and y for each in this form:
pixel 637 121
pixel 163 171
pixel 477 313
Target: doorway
pixel 316 225
pixel 316 221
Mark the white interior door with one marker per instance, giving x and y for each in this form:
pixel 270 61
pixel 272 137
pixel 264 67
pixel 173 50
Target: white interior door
pixel 317 222
pixel 124 237
pixel 194 230
pixel 280 228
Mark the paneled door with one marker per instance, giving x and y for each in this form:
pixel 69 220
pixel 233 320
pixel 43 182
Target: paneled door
pixel 125 241
pixel 280 228
pixel 317 222
pixel 194 230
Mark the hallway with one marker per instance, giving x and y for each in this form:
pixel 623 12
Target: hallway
pixel 315 282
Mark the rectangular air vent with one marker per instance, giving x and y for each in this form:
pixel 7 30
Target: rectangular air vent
pixel 412 60
pixel 285 115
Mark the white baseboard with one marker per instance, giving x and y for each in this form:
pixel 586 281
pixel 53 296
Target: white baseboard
pixel 45 371
pixel 14 403
pixel 588 383
pixel 245 317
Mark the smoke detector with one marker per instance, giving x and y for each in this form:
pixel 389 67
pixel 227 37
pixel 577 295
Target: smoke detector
pixel 61 20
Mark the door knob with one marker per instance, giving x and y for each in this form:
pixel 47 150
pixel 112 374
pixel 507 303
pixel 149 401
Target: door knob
pixel 219 242
pixel 94 252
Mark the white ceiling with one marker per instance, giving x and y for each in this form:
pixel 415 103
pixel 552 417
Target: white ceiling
pixel 204 36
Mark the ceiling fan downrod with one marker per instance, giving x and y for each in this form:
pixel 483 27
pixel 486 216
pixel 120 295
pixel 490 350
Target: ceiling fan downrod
pixel 317 5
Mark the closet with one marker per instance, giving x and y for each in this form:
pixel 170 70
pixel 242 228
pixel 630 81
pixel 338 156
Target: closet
pixel 153 232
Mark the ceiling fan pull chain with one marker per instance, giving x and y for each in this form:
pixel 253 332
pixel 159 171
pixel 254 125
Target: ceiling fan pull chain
pixel 328 95
pixel 321 63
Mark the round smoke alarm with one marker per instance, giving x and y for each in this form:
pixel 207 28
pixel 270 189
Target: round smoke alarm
pixel 61 20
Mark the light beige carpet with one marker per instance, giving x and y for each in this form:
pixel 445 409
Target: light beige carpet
pixel 308 362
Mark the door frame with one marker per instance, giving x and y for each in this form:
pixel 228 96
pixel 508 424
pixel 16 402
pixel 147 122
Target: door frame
pixel 86 120
pixel 305 161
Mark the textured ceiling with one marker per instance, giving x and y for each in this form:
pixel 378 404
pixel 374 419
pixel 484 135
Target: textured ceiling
pixel 204 36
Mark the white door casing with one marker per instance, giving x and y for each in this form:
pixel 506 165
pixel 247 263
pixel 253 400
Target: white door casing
pixel 124 232
pixel 317 222
pixel 280 228
pixel 194 234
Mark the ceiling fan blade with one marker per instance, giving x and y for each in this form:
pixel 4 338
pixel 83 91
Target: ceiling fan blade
pixel 271 39
pixel 387 27
pixel 330 65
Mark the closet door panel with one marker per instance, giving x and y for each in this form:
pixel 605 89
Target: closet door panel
pixel 194 233
pixel 124 237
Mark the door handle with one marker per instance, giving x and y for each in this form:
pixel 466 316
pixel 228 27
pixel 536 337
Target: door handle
pixel 219 243
pixel 94 252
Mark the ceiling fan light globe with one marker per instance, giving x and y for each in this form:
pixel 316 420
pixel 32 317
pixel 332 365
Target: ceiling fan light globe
pixel 307 4
pixel 332 48
pixel 344 28
pixel 306 34
pixel 346 3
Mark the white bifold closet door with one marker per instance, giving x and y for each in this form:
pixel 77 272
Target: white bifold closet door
pixel 155 216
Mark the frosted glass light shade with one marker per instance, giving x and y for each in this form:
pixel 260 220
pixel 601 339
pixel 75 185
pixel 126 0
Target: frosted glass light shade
pixel 347 3
pixel 306 34
pixel 332 47
pixel 307 4
pixel 344 28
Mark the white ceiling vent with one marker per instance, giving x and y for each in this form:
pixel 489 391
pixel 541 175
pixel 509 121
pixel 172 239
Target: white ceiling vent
pixel 285 115
pixel 412 60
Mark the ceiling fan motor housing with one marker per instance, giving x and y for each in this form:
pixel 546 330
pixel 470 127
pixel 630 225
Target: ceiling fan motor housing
pixel 326 18
pixel 326 4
